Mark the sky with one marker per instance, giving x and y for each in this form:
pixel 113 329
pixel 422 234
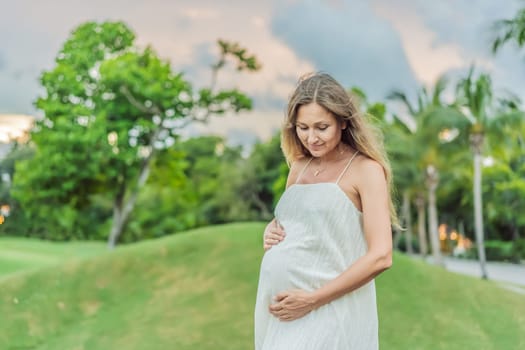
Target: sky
pixel 377 45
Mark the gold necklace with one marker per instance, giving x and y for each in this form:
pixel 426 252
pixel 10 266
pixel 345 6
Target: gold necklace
pixel 319 170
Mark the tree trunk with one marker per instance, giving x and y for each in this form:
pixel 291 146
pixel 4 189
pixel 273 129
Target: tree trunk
pixel 265 213
pixel 515 234
pixel 432 182
pixel 397 238
pixel 515 240
pixel 122 208
pixel 407 222
pixel 117 223
pixel 421 231
pixel 476 141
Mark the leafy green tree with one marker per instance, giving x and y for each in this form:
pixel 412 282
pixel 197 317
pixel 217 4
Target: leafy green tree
pixel 201 181
pixel 19 151
pixel 239 196
pixel 267 162
pixel 110 107
pixel 246 184
pixel 166 201
pixel 407 178
pixel 14 222
pixel 505 183
pixel 208 158
pixel 279 186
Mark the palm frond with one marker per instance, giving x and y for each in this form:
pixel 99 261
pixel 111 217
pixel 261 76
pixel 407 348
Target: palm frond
pixel 440 86
pixel 509 30
pixel 397 95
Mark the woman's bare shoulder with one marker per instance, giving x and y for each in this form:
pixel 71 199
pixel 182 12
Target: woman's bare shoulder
pixel 367 164
pixel 369 170
pixel 361 169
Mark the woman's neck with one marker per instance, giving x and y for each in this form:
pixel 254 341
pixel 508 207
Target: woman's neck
pixel 341 151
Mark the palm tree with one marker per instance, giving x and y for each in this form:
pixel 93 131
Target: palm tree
pixel 432 117
pixel 484 114
pixel 476 96
pixel 397 136
pixel 419 201
pixel 406 175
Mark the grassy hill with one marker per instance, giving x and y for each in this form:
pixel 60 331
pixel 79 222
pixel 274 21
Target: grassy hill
pixel 23 255
pixel 196 291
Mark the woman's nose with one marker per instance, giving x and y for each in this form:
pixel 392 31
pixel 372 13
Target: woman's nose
pixel 312 137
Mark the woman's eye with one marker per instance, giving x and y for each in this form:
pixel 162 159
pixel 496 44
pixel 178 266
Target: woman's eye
pixel 324 127
pixel 302 127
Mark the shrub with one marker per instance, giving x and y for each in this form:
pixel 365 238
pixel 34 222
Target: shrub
pixel 495 251
pixel 401 244
pixel 518 249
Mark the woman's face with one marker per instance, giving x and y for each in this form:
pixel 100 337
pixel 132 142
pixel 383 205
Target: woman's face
pixel 317 129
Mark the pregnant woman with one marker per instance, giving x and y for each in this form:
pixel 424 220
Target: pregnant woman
pixel 331 234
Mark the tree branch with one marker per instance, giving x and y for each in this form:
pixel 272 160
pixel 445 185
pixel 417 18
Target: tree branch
pixel 153 110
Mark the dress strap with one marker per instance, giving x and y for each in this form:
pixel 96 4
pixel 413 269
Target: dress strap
pixel 346 167
pixel 302 171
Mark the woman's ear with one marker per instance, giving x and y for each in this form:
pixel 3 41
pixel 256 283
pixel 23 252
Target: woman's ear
pixel 344 125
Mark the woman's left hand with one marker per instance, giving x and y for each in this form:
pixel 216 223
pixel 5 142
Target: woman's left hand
pixel 292 304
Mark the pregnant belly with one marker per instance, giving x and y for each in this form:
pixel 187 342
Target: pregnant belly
pixel 293 264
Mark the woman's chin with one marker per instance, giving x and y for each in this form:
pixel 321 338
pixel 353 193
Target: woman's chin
pixel 318 152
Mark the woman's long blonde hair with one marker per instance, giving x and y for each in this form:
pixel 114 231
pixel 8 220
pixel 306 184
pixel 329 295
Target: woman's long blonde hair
pixel 359 133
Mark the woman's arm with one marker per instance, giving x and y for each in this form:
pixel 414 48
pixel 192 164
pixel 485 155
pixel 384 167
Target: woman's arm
pixel 274 233
pixel 376 223
pixel 373 192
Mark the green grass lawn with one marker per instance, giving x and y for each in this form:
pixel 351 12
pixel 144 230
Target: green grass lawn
pixel 20 255
pixel 197 290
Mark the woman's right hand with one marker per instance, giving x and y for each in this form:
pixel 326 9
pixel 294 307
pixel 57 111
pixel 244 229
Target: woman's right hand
pixel 273 234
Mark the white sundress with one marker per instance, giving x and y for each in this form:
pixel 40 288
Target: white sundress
pixel 324 236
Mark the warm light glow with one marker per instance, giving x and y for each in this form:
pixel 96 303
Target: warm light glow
pixel 447 135
pixel 461 242
pixel 5 209
pixel 453 235
pixel 2 219
pixel 442 232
